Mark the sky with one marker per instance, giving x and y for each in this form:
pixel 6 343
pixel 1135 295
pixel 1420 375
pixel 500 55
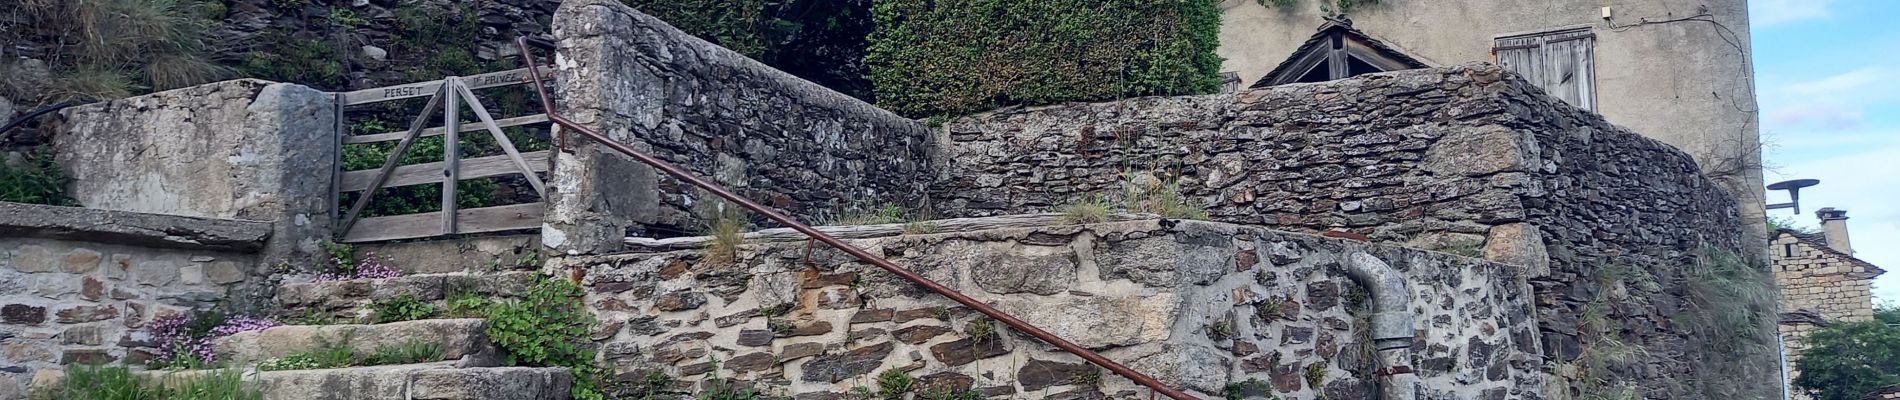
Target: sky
pixel 1827 77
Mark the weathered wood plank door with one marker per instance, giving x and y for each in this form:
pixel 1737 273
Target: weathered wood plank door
pixel 1559 62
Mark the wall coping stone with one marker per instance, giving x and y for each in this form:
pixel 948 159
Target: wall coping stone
pixel 131 228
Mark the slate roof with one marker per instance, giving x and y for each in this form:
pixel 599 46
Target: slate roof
pixel 1319 42
pixel 1819 241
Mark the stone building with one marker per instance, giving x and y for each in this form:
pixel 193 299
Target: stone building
pixel 1676 70
pixel 1820 281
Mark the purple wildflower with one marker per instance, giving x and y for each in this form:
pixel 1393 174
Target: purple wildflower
pixel 242 323
pixel 369 267
pixel 180 347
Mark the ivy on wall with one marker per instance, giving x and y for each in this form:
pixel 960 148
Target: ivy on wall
pixel 946 57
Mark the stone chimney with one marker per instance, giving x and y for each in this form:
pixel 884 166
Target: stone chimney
pixel 1834 228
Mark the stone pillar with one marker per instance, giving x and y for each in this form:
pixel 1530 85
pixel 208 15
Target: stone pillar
pixel 243 149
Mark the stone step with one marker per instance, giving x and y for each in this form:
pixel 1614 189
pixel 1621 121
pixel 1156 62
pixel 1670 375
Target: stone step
pixel 356 294
pixel 431 381
pixel 462 340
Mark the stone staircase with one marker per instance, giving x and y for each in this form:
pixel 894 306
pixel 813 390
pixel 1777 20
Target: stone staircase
pixel 467 367
pixel 355 296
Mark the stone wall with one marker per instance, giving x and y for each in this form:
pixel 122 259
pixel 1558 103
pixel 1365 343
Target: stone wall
pixel 1199 305
pixel 770 136
pixel 242 149
pixel 1467 159
pixel 1818 286
pixel 78 285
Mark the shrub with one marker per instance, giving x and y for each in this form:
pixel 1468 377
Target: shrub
pixel 548 327
pixel 114 48
pixel 934 57
pixel 822 41
pixel 401 308
pixel 1847 360
pixel 36 179
pixel 1730 316
pixel 300 57
pixel 117 383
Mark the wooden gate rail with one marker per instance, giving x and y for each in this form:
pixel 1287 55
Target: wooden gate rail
pixel 449 96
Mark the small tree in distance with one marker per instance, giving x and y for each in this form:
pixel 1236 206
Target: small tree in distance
pixel 1847 360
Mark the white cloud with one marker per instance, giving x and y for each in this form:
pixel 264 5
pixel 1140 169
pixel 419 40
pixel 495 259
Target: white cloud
pixel 1832 103
pixel 1764 13
pixel 1865 184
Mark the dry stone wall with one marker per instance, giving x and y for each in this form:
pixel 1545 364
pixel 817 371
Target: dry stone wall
pixel 789 143
pixel 1467 159
pixel 1200 305
pixel 79 285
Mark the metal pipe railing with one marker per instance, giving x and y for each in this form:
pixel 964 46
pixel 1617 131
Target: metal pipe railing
pixel 548 105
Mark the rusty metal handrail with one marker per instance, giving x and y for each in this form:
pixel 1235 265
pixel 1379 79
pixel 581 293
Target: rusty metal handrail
pixel 548 106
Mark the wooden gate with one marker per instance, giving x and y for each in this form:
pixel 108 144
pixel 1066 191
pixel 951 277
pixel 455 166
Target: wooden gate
pixel 449 96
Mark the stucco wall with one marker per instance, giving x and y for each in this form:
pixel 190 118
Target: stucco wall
pixel 241 149
pixel 79 285
pixel 1687 83
pixel 766 134
pixel 1200 305
pixel 1466 159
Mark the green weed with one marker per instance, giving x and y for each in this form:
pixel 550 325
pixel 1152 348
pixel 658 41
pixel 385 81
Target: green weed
pixel 893 384
pixel 401 308
pixel 408 352
pixel 36 179
pixel 548 327
pixel 1087 210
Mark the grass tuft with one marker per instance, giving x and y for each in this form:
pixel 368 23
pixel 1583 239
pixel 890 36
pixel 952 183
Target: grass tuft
pixel 893 384
pixel 1087 210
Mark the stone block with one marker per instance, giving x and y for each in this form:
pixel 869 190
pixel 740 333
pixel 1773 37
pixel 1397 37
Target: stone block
pixel 80 261
pixel 1098 322
pixel 1018 268
pixel 224 272
pixel 967 350
pixel 21 314
pixel 91 289
pixel 85 335
pixel 838 367
pixel 155 273
pixel 86 357
pixel 459 338
pixel 192 274
pixel 33 258
pixel 1037 374
pixel 119 266
pixel 88 313
pixel 918 334
pixel 23 352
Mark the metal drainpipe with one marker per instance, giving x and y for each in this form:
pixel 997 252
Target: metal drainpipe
pixel 1391 325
